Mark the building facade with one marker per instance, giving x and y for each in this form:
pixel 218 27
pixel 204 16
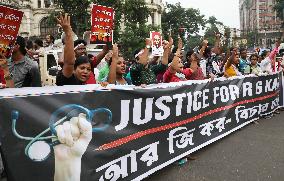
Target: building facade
pixel 258 18
pixel 34 22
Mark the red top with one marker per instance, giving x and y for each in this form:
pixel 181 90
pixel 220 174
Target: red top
pixel 2 80
pixel 92 79
pixel 197 75
pixel 172 77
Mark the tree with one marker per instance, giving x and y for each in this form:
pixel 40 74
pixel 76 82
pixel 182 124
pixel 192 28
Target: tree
pixel 212 29
pixel 251 38
pixel 79 13
pixel 214 26
pixel 226 39
pixel 179 20
pixel 135 15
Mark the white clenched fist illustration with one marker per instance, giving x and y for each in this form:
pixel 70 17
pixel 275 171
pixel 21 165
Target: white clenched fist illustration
pixel 74 136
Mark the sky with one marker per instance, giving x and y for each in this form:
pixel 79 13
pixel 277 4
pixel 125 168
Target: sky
pixel 226 11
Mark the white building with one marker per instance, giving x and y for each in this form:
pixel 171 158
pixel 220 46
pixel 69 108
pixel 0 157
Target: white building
pixel 34 22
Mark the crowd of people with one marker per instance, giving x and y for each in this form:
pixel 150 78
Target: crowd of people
pixel 110 67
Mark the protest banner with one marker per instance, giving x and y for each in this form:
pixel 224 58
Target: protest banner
pixel 157 48
pixel 10 21
pixel 102 25
pixel 136 132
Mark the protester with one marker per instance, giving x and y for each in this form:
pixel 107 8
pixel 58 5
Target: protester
pixel 176 72
pixel 188 58
pixel 20 71
pixel 38 50
pixel 243 60
pixel 29 48
pixel 74 72
pixel 49 42
pixel 104 71
pixel 205 53
pixel 117 69
pixel 268 63
pixel 253 68
pixel 259 60
pixel 194 64
pixel 214 62
pixel 156 61
pixel 143 73
pixel 80 48
pixel 231 67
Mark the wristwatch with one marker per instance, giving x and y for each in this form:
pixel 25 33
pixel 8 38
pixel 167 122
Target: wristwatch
pixel 8 77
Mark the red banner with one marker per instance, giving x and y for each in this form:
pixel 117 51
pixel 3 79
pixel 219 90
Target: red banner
pixel 102 25
pixel 10 21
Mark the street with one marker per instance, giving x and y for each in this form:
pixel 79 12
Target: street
pixel 253 153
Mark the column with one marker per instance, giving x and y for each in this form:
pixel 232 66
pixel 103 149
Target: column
pixel 42 4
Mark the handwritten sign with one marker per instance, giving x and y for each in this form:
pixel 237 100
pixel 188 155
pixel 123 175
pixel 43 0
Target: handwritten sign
pixel 10 21
pixel 102 25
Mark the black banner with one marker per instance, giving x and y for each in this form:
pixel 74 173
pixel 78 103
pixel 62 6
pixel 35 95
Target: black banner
pixel 135 132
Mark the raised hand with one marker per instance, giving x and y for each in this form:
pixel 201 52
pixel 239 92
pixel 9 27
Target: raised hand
pixel 168 44
pixel 115 51
pixel 218 35
pixel 148 42
pixel 143 57
pixel 64 22
pixel 205 43
pixel 180 44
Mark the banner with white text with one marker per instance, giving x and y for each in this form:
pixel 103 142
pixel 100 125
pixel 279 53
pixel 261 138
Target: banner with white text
pixel 134 132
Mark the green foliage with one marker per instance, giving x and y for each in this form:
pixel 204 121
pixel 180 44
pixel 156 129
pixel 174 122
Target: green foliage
pixel 133 38
pixel 78 10
pixel 212 29
pixel 136 11
pixel 227 36
pixel 176 17
pixel 279 7
pixel 193 41
pixel 136 31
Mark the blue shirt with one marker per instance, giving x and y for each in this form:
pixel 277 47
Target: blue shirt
pixel 242 65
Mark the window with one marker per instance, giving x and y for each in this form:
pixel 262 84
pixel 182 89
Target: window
pixel 47 3
pixel 153 19
pixel 47 28
pixel 39 3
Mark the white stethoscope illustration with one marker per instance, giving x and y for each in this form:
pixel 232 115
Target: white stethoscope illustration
pixel 39 149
